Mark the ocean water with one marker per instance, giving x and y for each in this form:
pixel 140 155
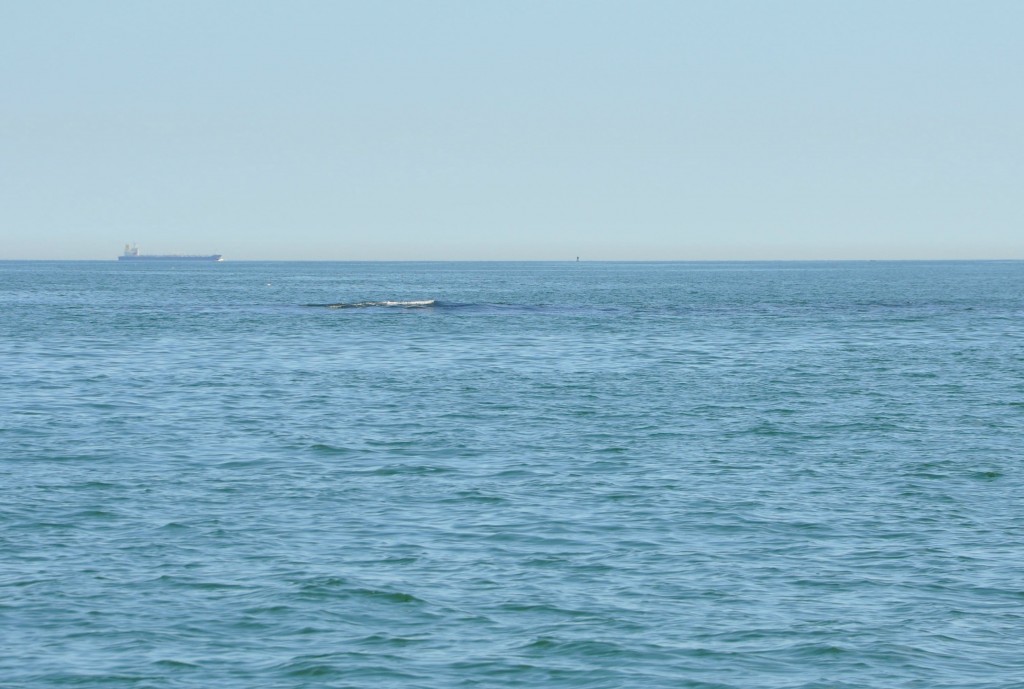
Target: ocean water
pixel 442 475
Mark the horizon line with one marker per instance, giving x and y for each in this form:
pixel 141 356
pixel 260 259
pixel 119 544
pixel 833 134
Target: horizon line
pixel 530 260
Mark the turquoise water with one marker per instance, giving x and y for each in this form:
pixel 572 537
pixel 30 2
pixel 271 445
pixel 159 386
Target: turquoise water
pixel 555 475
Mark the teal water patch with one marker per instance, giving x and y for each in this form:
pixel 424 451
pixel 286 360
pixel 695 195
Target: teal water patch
pixel 554 475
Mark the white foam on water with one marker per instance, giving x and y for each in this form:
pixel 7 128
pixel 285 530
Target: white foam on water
pixel 419 303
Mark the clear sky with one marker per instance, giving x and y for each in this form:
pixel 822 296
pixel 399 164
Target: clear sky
pixel 523 129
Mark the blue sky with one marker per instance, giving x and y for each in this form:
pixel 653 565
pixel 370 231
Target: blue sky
pixel 512 130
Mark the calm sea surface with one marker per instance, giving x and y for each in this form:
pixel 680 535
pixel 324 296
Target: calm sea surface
pixel 720 475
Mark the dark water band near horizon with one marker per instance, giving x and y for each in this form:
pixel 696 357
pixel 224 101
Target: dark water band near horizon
pixel 438 475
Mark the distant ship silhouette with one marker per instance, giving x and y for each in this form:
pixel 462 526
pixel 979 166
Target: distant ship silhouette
pixel 131 253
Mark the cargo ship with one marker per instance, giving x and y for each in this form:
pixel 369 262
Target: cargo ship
pixel 131 253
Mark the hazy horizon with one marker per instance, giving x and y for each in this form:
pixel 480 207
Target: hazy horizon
pixel 512 131
pixel 570 259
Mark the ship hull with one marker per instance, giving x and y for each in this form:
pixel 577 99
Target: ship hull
pixel 214 257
